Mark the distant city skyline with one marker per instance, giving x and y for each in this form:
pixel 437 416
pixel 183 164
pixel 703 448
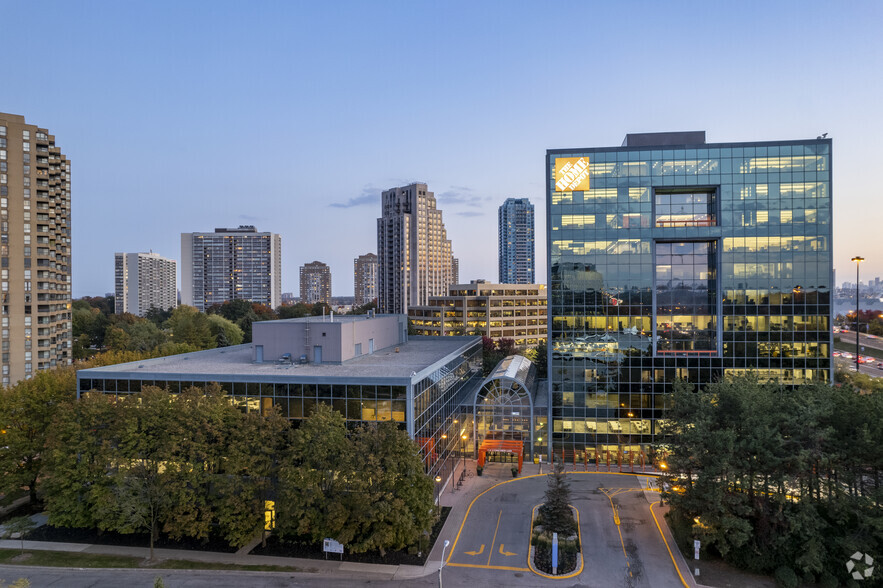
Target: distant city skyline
pixel 180 116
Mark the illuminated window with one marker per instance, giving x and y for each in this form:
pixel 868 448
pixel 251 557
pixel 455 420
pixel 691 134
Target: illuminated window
pixel 685 209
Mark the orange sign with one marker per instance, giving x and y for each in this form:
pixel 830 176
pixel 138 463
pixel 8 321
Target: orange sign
pixel 571 173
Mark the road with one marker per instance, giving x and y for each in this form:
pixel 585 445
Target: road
pixel 492 545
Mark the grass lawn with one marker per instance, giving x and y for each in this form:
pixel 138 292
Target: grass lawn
pixel 65 559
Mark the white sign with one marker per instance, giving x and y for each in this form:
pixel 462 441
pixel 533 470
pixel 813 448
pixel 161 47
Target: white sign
pixel 696 545
pixel 332 546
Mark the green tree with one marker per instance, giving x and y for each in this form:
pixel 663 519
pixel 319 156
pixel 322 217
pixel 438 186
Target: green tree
pixel 394 497
pixel 364 308
pixel 314 500
pixel 250 469
pixel 555 511
pixel 225 332
pixel 540 358
pixel 158 316
pixel 290 311
pixel 27 410
pixel 771 476
pixel 192 327
pixel 139 496
pixel 80 447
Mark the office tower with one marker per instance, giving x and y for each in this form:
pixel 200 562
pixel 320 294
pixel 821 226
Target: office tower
pixel 144 281
pixel 496 311
pixel 35 232
pixel 365 279
pixel 516 241
pixel 231 264
pixel 672 258
pixel 315 283
pixel 414 258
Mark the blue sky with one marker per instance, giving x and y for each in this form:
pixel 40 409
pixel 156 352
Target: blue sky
pixel 294 116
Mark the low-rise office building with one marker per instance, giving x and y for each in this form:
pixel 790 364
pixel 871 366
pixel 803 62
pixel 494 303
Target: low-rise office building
pixel 498 311
pixel 365 367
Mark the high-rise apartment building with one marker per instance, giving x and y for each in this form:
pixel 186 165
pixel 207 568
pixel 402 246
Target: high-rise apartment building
pixel 365 279
pixel 144 281
pixel 315 283
pixel 231 264
pixel 516 241
pixel 414 255
pixel 672 258
pixel 35 237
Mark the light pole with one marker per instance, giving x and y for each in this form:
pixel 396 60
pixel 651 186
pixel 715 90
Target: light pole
pixel 857 261
pixel 463 452
pixel 444 546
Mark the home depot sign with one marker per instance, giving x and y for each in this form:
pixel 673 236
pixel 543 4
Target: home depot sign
pixel 571 173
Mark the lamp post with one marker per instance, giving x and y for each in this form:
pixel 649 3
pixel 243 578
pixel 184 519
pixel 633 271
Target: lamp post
pixel 442 565
pixel 857 261
pixel 463 451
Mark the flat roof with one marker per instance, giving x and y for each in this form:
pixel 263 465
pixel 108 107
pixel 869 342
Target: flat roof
pixel 418 355
pixel 327 319
pixel 670 147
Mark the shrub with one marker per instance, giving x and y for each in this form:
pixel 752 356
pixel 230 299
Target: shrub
pixel 827 580
pixel 786 578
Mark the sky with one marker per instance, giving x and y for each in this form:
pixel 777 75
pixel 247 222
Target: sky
pixel 294 116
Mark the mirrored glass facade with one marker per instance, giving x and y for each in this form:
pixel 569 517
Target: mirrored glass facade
pixel 690 261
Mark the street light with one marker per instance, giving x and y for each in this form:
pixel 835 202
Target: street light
pixel 463 452
pixel 444 546
pixel 857 261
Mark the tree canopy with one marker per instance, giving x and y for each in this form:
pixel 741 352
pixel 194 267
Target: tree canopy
pixel 771 476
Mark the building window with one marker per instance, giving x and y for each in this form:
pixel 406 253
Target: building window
pixel 685 209
pixel 686 298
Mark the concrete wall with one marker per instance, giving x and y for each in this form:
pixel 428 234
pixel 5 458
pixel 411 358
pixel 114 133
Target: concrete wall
pixel 337 338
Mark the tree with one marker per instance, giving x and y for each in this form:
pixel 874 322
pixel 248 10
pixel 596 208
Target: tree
pixel 192 327
pixel 395 495
pixel 541 359
pixel 158 316
pixel 313 498
pixel 289 311
pixel 26 413
pixel 364 308
pixel 249 473
pixel 555 511
pixel 772 476
pixel 81 444
pixel 138 497
pixel 225 332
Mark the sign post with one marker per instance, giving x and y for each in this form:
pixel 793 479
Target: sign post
pixel 554 554
pixel 696 545
pixel 332 546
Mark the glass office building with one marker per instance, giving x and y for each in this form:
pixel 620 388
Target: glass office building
pixel 368 370
pixel 672 258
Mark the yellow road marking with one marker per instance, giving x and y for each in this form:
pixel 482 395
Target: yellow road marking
pixel 618 528
pixel 479 552
pixel 491 552
pixel 461 565
pixel 661 534
pixel 502 552
pixel 472 503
